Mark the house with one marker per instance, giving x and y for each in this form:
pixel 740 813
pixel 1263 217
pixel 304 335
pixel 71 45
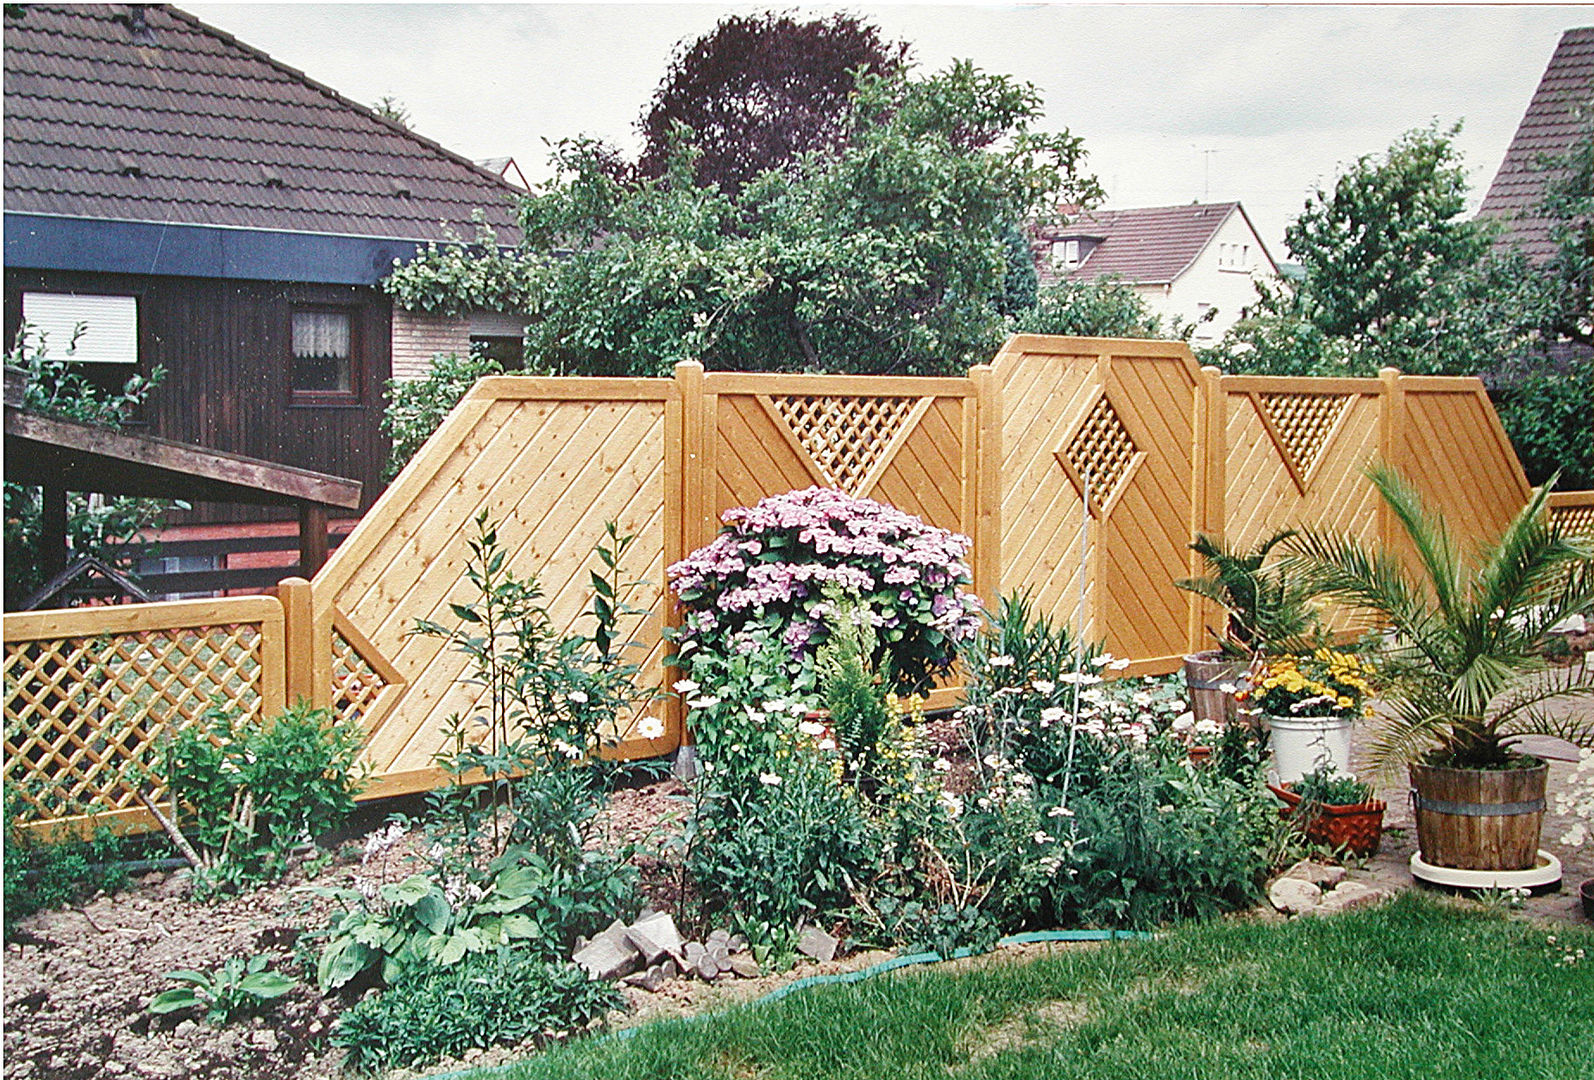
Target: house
pixel 205 209
pixel 1562 108
pixel 1196 263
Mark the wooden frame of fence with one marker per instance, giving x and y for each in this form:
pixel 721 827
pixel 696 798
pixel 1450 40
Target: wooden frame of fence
pixel 75 752
pixel 1005 455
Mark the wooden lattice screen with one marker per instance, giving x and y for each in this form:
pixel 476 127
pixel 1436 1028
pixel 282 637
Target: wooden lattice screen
pixel 1101 454
pixel 1301 423
pixel 89 694
pixel 845 436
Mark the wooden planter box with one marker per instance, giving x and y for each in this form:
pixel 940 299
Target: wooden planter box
pixel 1479 819
pixel 1358 829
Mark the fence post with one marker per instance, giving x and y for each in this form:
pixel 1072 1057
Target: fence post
pixel 987 524
pixel 1391 443
pixel 694 438
pixel 298 620
pixel 1209 481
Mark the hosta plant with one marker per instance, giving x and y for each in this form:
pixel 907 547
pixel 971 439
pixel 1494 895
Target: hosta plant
pixel 1464 671
pixel 237 986
pixel 769 566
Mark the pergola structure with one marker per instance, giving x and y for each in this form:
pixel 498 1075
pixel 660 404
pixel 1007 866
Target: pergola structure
pixel 64 455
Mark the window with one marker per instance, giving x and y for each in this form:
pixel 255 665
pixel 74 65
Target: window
pixel 324 351
pixel 109 325
pixel 1065 253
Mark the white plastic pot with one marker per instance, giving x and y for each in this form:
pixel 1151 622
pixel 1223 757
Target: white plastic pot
pixel 1303 744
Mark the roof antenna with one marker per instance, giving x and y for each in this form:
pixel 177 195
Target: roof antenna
pixel 139 25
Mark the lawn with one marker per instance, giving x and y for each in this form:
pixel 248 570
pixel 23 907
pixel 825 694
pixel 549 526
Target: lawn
pixel 1418 988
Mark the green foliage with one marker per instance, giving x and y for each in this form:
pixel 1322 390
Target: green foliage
pixel 1569 205
pixel 886 254
pixel 1105 307
pixel 943 929
pixel 1547 414
pixel 858 712
pixel 458 277
pixel 1269 611
pixel 251 789
pixel 40 876
pixel 1325 787
pixel 98 527
pixel 238 986
pixel 1467 632
pixel 500 998
pixel 416 407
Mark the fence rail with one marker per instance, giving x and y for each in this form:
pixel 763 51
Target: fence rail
pixel 1080 468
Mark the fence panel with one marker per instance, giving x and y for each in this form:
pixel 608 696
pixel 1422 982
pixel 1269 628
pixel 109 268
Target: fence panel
pixel 550 462
pixel 91 694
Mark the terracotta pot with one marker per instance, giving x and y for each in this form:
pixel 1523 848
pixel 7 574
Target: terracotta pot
pixel 1479 819
pixel 1358 828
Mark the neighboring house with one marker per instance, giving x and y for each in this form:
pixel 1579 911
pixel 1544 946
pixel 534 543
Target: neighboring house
pixel 1197 263
pixel 206 209
pixel 1562 108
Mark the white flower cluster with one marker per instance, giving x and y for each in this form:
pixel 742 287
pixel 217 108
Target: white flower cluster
pixel 381 842
pixel 1576 799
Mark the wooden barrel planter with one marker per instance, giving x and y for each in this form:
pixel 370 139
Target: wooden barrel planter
pixel 1479 819
pixel 1205 674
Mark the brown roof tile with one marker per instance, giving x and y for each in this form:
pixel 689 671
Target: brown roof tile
pixel 220 134
pixel 1559 108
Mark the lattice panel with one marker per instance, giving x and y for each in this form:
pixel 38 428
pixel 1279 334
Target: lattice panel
pixel 845 436
pixel 1101 452
pixel 1303 422
pixel 355 683
pixel 1574 520
pixel 85 716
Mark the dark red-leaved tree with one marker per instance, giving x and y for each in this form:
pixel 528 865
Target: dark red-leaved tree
pixel 761 89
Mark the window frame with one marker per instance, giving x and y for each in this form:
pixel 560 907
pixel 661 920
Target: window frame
pixel 352 398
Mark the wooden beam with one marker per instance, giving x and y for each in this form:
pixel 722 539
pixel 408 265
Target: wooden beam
pixel 81 457
pixel 312 538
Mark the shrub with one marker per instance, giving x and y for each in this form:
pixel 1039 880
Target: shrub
pixel 501 998
pixel 417 407
pixel 770 564
pixel 39 876
pixel 1546 414
pixel 251 789
pixel 238 986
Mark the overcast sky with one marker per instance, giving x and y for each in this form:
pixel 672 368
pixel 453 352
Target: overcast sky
pixel 1208 102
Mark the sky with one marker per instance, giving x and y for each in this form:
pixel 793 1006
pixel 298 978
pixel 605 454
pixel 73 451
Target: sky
pixel 1175 103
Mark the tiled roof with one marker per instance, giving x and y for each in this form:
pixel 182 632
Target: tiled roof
pixel 1144 246
pixel 1559 108
pixel 175 121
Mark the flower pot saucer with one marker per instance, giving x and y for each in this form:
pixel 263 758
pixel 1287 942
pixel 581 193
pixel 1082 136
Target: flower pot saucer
pixel 1544 876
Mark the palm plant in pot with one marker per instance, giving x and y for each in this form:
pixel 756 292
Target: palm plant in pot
pixel 1266 612
pixel 1462 673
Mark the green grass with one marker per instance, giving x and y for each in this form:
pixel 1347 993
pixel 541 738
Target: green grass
pixel 1418 988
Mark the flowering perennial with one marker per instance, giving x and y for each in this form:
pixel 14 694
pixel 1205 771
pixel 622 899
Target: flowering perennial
pixel 1327 683
pixel 770 564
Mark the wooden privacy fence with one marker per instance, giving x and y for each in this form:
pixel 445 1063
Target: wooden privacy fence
pixel 1006 455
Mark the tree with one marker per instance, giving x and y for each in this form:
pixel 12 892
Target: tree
pixel 391 108
pixel 759 91
pixel 1569 205
pixel 1106 307
pixel 883 254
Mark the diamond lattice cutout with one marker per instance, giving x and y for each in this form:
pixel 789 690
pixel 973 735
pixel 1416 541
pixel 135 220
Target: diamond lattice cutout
pixel 845 436
pixel 1574 520
pixel 355 683
pixel 84 716
pixel 1101 453
pixel 1303 422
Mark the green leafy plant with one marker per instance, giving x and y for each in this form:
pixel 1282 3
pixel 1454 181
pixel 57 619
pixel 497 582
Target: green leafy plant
pixel 1269 611
pixel 1466 634
pixel 1326 787
pixel 98 527
pixel 250 789
pixel 416 407
pixel 43 875
pixel 238 986
pixel 499 998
